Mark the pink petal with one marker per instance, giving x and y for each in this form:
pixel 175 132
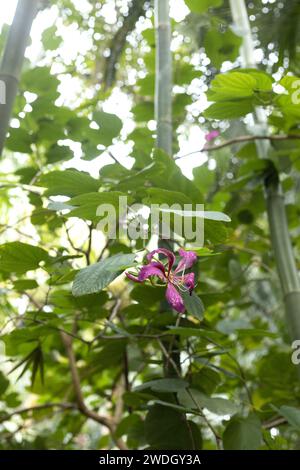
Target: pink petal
pixel 152 269
pixel 189 281
pixel 212 135
pixel 188 259
pixel 132 277
pixel 165 252
pixel 174 298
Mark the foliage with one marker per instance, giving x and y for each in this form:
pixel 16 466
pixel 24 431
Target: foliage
pixel 65 302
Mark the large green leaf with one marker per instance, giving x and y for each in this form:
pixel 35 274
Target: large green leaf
pixel 110 126
pixel 68 183
pixel 57 153
pixel 17 257
pixel 193 304
pixel 291 414
pixel 164 385
pixel 19 140
pixel 229 109
pixel 232 86
pixel 86 205
pixel 166 428
pixel 243 433
pixel 97 276
pixel 194 399
pixel 164 196
pixel 40 81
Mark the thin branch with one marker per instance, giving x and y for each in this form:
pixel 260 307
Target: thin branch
pixel 77 388
pixel 168 357
pixel 200 411
pixel 118 41
pixel 101 254
pixel 241 139
pixel 273 423
pixel 107 422
pixel 78 249
pixel 211 427
pixel 44 406
pixel 56 328
pixel 89 248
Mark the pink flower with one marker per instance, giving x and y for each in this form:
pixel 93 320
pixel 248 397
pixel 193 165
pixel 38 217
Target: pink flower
pixel 212 135
pixel 176 280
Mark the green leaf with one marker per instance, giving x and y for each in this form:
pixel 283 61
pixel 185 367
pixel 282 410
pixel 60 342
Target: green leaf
pixel 87 204
pixel 17 257
pixel 133 427
pixel 215 232
pixel 232 86
pixel 243 433
pixel 25 284
pixel 4 384
pixel 97 276
pixel 35 359
pixel 217 216
pixel 204 177
pixel 193 305
pixel 255 333
pixel 194 332
pixel 164 196
pixel 143 112
pixel 195 399
pixel 68 183
pixel 58 153
pixel 146 85
pixel 50 39
pixel 166 428
pixel 164 385
pixel 221 46
pixel 40 81
pixel 19 140
pixel 201 6
pixel 229 109
pixel 264 81
pixel 110 126
pixel 291 414
pixel 184 73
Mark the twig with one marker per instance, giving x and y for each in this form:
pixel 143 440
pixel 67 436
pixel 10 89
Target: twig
pixel 44 406
pixel 79 250
pixel 274 422
pixel 107 422
pixel 241 139
pixel 168 357
pixel 119 41
pixel 89 248
pixel 200 411
pixel 108 242
pixel 216 435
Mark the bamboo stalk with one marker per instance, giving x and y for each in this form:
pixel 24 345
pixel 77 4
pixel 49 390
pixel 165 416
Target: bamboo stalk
pixel 163 84
pixel 12 60
pixel 279 232
pixel 163 116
